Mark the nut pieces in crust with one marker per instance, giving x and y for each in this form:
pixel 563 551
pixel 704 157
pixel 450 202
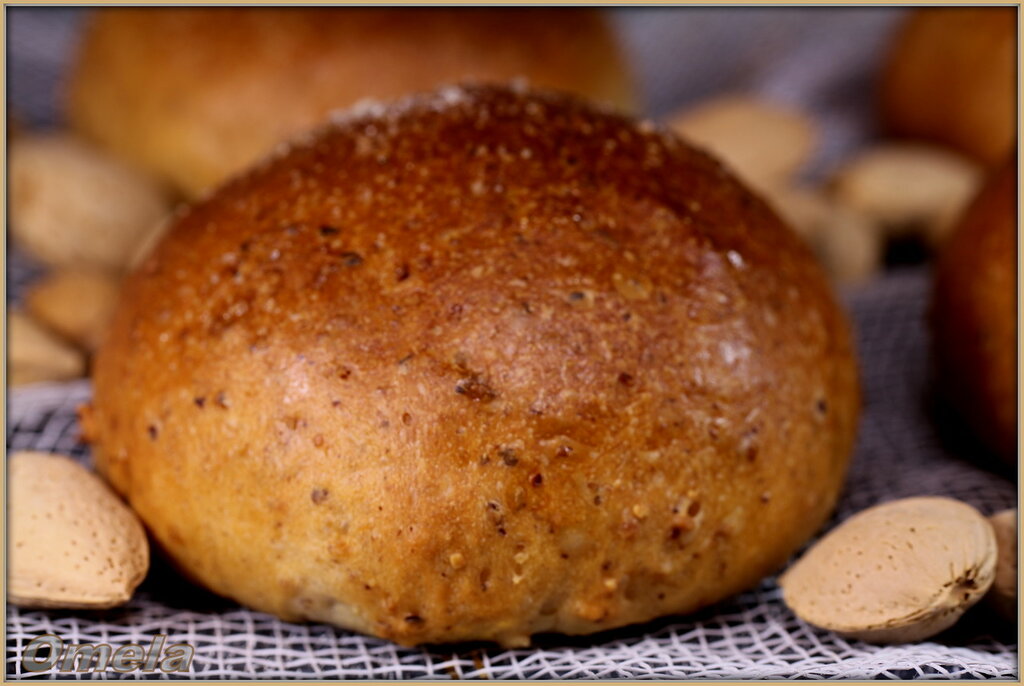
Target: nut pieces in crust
pixel 481 364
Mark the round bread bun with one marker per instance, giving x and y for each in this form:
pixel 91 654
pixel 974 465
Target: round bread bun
pixel 974 314
pixel 951 77
pixel 197 94
pixel 481 364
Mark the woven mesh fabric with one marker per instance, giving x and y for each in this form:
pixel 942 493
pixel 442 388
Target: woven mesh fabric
pixel 902 451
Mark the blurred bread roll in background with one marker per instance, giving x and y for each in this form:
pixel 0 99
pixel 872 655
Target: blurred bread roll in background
pixel 951 77
pixel 974 314
pixel 196 94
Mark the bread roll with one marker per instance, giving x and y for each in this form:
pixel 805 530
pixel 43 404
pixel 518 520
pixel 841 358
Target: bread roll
pixel 951 77
pixel 974 314
pixel 196 94
pixel 482 364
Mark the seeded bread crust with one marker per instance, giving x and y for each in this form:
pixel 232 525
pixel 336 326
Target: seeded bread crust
pixel 194 95
pixel 479 365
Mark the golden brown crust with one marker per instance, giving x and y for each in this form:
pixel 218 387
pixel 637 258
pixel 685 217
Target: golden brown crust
pixel 974 314
pixel 951 77
pixel 480 365
pixel 195 95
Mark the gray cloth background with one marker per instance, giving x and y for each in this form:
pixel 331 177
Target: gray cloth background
pixel 822 59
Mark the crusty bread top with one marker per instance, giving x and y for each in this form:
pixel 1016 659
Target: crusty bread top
pixel 480 364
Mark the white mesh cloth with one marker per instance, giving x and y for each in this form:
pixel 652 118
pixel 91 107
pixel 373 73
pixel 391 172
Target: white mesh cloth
pixel 753 636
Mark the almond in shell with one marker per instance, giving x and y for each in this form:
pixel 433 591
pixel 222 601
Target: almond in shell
pixel 898 572
pixel 35 355
pixel 1003 594
pixel 77 303
pixel 72 204
pixel 764 142
pixel 72 542
pixel 909 188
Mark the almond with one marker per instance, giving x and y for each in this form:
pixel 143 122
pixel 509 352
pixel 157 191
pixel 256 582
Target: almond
pixel 850 246
pixel 848 243
pixel 763 142
pixel 72 542
pixel 1003 594
pixel 76 303
pixel 35 355
pixel 897 572
pixel 909 188
pixel 72 204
